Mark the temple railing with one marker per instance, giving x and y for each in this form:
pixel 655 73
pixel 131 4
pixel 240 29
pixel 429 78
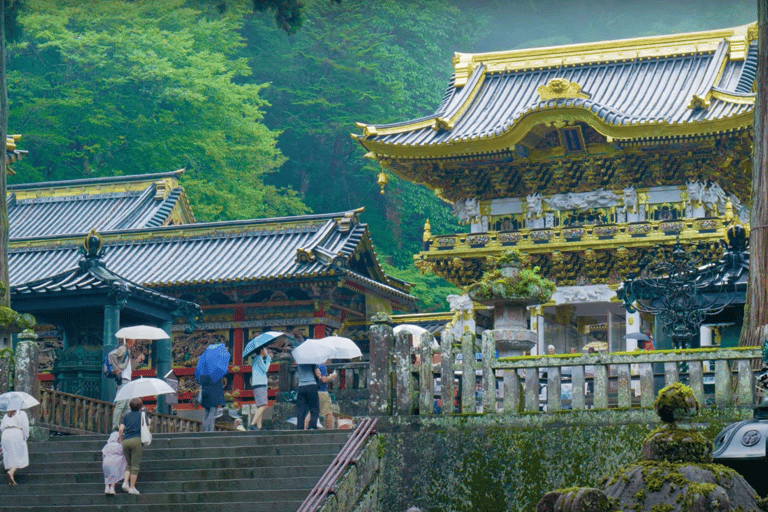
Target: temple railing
pixel 539 384
pixel 73 414
pixel 529 239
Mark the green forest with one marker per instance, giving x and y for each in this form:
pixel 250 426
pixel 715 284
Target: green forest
pixel 259 111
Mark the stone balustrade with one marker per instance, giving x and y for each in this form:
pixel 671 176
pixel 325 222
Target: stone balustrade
pixel 538 384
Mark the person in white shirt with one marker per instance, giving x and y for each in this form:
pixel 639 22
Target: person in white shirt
pixel 121 359
pixel 15 432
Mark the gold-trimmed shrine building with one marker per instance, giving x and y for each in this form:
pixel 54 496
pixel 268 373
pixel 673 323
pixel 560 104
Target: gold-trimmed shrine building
pixel 583 158
pixel 307 275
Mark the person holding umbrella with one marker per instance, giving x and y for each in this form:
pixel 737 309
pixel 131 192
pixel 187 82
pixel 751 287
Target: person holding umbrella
pixel 121 361
pixel 210 369
pixel 15 432
pixel 260 366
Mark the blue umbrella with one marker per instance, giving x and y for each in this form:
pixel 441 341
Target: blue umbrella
pixel 259 341
pixel 213 362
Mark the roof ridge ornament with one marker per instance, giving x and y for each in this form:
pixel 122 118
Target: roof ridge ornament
pixel 560 88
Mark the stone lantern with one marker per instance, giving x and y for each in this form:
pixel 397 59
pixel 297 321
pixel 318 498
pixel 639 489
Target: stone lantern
pixel 511 290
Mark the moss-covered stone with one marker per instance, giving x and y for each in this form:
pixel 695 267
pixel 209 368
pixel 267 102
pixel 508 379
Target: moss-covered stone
pixel 676 402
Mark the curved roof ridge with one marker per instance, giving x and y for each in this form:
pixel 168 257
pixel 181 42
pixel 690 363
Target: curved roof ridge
pixel 101 180
pixel 125 220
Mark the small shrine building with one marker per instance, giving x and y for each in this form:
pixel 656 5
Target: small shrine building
pixel 306 275
pixel 584 157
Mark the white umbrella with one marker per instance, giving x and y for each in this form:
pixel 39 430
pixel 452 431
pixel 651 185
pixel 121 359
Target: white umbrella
pixel 142 332
pixel 313 352
pixel 143 387
pixel 13 400
pixel 416 331
pixel 344 348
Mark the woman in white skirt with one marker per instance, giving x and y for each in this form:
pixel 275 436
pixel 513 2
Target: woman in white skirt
pixel 15 429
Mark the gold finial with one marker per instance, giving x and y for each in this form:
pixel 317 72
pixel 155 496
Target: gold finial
pixel 560 88
pixel 427 236
pixel 383 180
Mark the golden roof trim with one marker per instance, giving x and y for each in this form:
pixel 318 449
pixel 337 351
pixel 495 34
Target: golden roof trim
pixel 606 51
pixel 508 139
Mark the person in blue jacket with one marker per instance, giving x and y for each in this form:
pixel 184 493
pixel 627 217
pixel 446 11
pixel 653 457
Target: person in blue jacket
pixel 260 367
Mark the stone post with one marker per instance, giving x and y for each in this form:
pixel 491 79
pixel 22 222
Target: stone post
pixel 403 376
pixel 468 373
pixel 446 371
pixel 379 379
pixel 6 369
pixel 426 377
pixel 26 365
pixel 489 375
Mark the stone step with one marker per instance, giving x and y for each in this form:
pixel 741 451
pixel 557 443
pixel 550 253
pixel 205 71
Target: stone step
pixel 111 505
pixel 155 451
pixel 96 476
pixel 226 460
pixel 237 482
pixel 97 497
pixel 196 440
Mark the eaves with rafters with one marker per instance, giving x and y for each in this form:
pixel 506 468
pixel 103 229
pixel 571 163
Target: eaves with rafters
pixel 665 119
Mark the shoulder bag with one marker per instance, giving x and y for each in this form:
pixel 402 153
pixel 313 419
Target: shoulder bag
pixel 146 435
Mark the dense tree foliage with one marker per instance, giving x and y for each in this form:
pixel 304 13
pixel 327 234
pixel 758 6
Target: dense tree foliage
pixel 260 113
pixel 114 87
pixel 360 61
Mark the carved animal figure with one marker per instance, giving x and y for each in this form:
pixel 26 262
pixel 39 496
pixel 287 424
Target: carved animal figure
pixel 535 207
pixel 630 199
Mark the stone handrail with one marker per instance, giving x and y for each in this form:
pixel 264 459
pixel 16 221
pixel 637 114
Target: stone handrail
pixel 513 385
pixel 74 414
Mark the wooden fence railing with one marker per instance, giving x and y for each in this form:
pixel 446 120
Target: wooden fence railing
pixel 73 414
pixel 532 384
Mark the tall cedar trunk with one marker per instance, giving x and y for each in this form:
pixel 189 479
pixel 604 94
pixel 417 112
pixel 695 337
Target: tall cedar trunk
pixel 755 313
pixel 5 299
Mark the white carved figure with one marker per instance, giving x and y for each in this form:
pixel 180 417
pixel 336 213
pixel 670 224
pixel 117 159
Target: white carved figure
pixel 630 199
pixel 601 198
pixel 695 191
pixel 535 207
pixel 459 302
pixel 466 210
pixel 713 196
pixel 583 200
pixel 549 220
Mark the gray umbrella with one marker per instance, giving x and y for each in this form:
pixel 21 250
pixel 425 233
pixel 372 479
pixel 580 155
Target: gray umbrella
pixel 636 336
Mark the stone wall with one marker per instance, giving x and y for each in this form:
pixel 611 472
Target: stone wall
pixel 484 463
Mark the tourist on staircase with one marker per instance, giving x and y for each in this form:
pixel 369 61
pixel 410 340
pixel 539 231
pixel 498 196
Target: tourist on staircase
pixel 113 463
pixel 15 432
pixel 211 397
pixel 307 400
pixel 260 366
pixel 130 436
pixel 121 360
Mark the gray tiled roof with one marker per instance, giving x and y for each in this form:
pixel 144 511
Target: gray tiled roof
pixel 76 214
pixel 92 276
pixel 223 252
pixel 621 93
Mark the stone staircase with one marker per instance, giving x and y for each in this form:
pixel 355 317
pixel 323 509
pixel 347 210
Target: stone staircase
pixel 268 471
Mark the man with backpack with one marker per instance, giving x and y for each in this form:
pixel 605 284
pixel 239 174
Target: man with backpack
pixel 120 360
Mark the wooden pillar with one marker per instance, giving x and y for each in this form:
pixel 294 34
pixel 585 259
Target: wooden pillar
pixel 164 363
pixel 237 346
pixel 111 326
